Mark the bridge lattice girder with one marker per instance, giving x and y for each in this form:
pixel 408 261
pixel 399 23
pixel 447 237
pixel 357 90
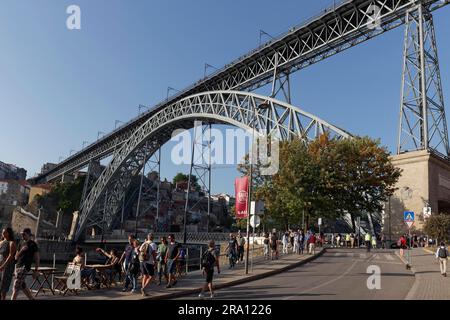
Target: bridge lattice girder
pixel 341 27
pixel 240 109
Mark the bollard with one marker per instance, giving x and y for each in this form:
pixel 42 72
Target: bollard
pixel 53 274
pixel 201 254
pixel 187 260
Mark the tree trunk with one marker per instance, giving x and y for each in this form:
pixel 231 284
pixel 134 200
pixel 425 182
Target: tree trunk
pixel 352 215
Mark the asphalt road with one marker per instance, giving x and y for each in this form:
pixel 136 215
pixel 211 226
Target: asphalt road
pixel 339 274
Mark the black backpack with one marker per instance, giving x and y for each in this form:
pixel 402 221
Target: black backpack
pixel 442 253
pixel 208 260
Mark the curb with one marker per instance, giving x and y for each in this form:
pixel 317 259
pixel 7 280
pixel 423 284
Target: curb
pixel 239 281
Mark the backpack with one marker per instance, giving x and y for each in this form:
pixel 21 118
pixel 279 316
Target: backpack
pixel 442 253
pixel 143 254
pixel 208 260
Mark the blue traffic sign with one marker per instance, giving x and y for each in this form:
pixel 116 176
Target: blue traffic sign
pixel 408 216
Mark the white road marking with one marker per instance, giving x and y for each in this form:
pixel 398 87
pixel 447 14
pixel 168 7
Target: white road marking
pixel 363 255
pixel 389 257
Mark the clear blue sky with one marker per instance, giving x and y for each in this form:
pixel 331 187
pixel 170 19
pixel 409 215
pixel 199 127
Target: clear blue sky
pixel 58 88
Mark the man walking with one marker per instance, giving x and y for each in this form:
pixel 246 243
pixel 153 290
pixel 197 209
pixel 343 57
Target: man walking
pixel 442 256
pixel 24 258
pixel 209 261
pixel 241 243
pixel 147 259
pixel 126 260
pixel 173 252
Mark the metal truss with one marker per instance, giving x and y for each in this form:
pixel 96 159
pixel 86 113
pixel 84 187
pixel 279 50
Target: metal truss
pixel 423 125
pixel 336 29
pixel 149 191
pixel 240 109
pixel 200 166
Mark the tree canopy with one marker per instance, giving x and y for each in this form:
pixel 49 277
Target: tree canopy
pixel 327 178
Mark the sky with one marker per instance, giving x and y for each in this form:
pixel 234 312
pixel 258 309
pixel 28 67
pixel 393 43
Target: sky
pixel 60 87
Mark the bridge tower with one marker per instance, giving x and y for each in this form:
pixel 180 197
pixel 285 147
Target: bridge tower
pixel 423 147
pixel 423 125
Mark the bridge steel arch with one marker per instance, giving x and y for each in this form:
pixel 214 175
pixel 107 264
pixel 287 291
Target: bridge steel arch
pixel 237 108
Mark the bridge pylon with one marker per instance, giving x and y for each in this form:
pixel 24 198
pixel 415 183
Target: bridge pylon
pixel 423 125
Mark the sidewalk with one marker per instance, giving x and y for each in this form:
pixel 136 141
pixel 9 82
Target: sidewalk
pixel 429 283
pixel 193 282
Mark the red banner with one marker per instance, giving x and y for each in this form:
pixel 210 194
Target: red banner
pixel 241 187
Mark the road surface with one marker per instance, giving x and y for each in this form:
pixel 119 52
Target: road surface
pixel 338 274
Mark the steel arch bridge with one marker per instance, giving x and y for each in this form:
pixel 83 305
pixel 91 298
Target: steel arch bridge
pixel 240 109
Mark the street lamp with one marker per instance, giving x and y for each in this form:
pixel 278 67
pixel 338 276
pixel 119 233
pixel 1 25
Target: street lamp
pixel 262 106
pixel 168 92
pixel 207 65
pixel 142 107
pixel 117 122
pixel 99 134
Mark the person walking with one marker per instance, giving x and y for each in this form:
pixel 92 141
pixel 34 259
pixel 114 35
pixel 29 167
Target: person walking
pixel 295 248
pixel 374 242
pixel 442 256
pixel 135 266
pixel 347 240
pixel 402 245
pixel 285 242
pixel 312 244
pixel 240 239
pixel 266 243
pixel 7 253
pixel 28 253
pixel 368 240
pixel 173 252
pixel 126 261
pixel 160 257
pixel 338 240
pixel 352 240
pixel 301 240
pixel 274 245
pixel 147 259
pixel 209 261
pixel 383 241
pixel 231 250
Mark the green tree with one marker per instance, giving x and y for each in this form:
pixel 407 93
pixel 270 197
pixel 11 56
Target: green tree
pixel 181 177
pixel 358 174
pixel 327 179
pixel 438 227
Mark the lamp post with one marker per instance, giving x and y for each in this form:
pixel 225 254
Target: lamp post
pixel 99 133
pixel 262 106
pixel 118 122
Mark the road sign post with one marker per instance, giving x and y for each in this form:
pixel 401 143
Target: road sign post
pixel 409 218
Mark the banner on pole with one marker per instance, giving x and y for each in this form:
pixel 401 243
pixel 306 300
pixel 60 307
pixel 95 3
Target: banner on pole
pixel 241 189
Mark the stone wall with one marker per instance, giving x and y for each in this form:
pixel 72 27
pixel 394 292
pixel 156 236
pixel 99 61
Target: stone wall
pixel 425 181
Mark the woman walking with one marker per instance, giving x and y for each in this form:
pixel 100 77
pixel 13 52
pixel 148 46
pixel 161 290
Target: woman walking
pixel 7 253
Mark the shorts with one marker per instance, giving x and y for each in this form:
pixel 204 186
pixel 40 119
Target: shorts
pixel 162 268
pixel 209 275
pixel 19 278
pixel 171 266
pixel 147 269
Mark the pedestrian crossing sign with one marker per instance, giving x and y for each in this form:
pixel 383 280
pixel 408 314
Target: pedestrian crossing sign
pixel 409 218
